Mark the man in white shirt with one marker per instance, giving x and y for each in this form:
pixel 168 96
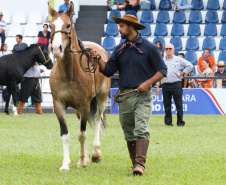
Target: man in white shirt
pixel 2 28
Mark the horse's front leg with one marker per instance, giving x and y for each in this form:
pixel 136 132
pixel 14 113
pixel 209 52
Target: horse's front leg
pixel 60 110
pixel 14 99
pixel 84 114
pixel 8 94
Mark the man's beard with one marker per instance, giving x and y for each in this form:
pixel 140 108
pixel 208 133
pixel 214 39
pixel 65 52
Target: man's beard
pixel 126 34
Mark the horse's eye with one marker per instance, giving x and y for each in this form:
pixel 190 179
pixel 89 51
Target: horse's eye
pixel 68 26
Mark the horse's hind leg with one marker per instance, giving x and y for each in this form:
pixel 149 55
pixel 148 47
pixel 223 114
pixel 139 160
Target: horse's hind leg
pixel 61 115
pixel 14 99
pixel 8 94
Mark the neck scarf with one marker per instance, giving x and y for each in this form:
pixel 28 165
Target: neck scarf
pixel 131 43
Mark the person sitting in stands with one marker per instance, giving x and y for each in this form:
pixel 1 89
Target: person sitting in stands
pixel 64 6
pixel 159 45
pixel 2 28
pixel 43 37
pixel 125 6
pixel 135 4
pixel 206 56
pixel 4 50
pixel 20 45
pixel 207 71
pixel 181 5
pixel 221 72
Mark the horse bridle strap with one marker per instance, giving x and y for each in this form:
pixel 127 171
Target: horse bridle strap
pixel 43 56
pixel 60 31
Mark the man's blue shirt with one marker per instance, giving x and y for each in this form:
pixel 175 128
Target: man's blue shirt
pixel 64 7
pixel 134 67
pixel 20 47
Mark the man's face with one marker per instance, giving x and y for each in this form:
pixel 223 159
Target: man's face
pixel 181 56
pixel 221 68
pixel 124 30
pixel 206 54
pixel 169 50
pixel 18 40
pixel 66 1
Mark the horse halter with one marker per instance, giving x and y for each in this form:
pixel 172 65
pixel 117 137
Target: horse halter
pixel 43 56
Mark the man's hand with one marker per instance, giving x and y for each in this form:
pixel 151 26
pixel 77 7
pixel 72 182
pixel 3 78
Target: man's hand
pixel 41 70
pixel 143 87
pixel 94 54
pixel 158 91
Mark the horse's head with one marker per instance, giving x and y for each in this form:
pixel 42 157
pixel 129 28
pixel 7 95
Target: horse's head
pixel 62 31
pixel 44 59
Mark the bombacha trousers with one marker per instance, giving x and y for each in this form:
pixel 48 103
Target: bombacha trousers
pixel 134 115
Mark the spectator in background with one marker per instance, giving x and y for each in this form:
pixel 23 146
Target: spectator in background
pixel 20 45
pixel 181 5
pixel 43 37
pixel 159 45
pixel 171 84
pixel 4 50
pixel 135 4
pixel 206 56
pixel 221 72
pixel 2 28
pixel 125 6
pixel 64 6
pixel 207 71
pixel 184 81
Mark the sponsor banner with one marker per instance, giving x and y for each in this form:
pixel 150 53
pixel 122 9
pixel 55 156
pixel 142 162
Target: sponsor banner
pixel 195 101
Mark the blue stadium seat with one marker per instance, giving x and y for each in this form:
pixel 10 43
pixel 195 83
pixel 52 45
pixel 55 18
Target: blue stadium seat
pixel 222 56
pixel 153 5
pixel 177 30
pixel 223 30
pixel 223 19
pixel 161 30
pixel 179 17
pixel 146 17
pixel 114 13
pixel 176 41
pixel 165 5
pixel 191 56
pixel 176 53
pixel 132 12
pixel 111 30
pixel 122 40
pixel 197 4
pixel 163 17
pixel 109 43
pixel 224 5
pixel 161 39
pixel 213 5
pixel 192 44
pixel 211 17
pixel 210 43
pixel 210 30
pixel 147 31
pixel 194 30
pixel 194 70
pixel 120 1
pixel 222 44
pixel 195 17
pixel 109 53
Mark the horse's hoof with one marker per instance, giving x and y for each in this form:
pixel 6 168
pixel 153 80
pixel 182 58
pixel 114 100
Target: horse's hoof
pixel 7 113
pixel 15 114
pixel 79 165
pixel 96 159
pixel 64 169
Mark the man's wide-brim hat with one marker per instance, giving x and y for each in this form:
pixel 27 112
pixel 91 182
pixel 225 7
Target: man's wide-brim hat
pixel 130 19
pixel 221 63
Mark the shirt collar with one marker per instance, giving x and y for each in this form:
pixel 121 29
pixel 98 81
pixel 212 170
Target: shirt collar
pixel 170 58
pixel 140 40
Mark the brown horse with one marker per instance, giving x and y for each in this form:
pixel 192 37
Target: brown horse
pixel 73 87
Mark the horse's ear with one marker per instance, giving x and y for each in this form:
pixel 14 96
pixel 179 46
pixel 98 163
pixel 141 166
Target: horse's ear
pixel 52 12
pixel 70 10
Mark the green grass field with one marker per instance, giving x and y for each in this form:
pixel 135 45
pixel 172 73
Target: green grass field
pixel 31 152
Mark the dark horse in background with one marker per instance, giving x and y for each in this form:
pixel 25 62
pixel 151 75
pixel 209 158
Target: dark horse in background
pixel 14 66
pixel 72 87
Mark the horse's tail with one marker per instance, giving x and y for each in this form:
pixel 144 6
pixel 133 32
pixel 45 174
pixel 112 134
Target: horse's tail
pixel 94 109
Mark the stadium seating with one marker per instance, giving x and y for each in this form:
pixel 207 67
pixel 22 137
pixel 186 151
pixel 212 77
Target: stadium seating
pixel 163 17
pixel 223 30
pixel 19 17
pixel 194 70
pixel 109 53
pixel 210 43
pixel 161 30
pixel 222 56
pixel 114 13
pixel 112 30
pixel 165 5
pixel 222 44
pixel 194 30
pixel 122 40
pixel 211 17
pixel 177 30
pixel 6 16
pixel 210 30
pixel 191 56
pixel 35 17
pixel 211 54
pixel 28 40
pixel 213 5
pixel 223 18
pixel 31 30
pixel 153 5
pixel 14 29
pixel 195 17
pixel 179 17
pixel 132 12
pixel 147 31
pixel 224 5
pixel 10 41
pixel 161 39
pixel 176 41
pixel 197 4
pixel 192 44
pixel 146 17
pixel 109 43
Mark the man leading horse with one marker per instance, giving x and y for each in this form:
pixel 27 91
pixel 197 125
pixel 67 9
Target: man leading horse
pixel 140 65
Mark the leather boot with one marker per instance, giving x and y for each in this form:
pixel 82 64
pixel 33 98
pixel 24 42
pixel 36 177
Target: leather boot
pixel 38 108
pixel 20 107
pixel 141 153
pixel 132 151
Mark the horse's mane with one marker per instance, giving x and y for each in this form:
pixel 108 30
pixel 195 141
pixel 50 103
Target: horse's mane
pixel 31 46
